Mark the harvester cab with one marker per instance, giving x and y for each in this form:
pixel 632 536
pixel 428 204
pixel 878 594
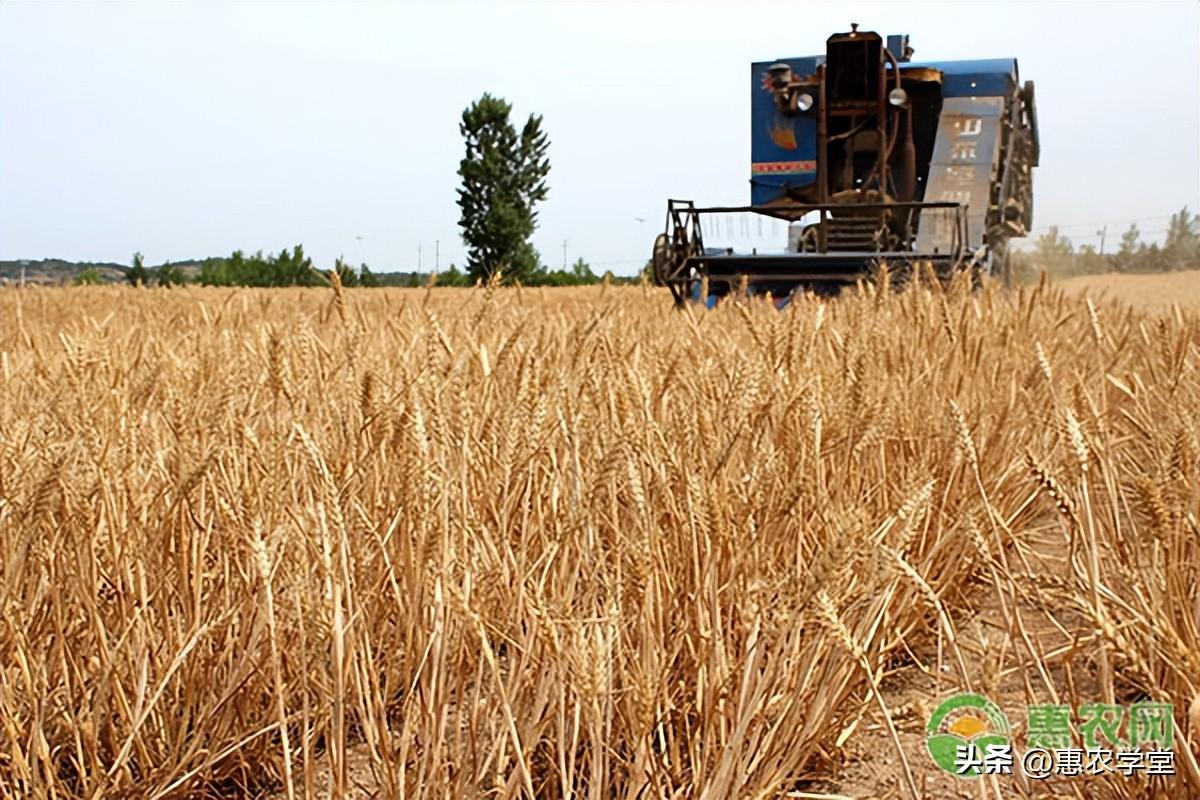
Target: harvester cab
pixel 870 159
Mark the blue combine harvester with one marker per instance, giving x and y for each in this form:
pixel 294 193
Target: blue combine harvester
pixel 870 159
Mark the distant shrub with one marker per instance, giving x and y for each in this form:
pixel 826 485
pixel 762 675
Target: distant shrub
pixel 88 277
pixel 286 269
pixel 169 275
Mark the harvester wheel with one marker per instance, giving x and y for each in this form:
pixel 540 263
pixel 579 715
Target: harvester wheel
pixel 661 260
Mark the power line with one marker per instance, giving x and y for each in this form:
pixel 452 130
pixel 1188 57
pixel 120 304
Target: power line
pixel 1096 235
pixel 1098 222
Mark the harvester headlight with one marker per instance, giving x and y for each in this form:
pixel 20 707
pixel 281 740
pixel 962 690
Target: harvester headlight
pixel 780 75
pixel 804 102
pixel 898 97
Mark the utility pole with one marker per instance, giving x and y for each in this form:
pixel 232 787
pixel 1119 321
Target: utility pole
pixel 437 255
pixel 418 258
pixel 1102 233
pixel 565 242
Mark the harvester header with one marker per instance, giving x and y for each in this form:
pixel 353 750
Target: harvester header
pixel 871 158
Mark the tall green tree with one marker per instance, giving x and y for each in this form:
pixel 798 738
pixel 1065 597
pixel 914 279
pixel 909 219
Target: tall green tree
pixel 453 277
pixel 137 272
pixel 583 271
pixel 1182 248
pixel 346 272
pixel 1130 250
pixel 366 277
pixel 1054 252
pixel 503 178
pixel 171 275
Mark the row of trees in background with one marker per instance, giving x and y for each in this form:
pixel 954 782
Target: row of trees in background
pixel 294 268
pixel 1055 253
pixel 288 268
pixel 580 274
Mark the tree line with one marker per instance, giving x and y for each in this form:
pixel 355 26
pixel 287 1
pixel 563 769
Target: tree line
pixel 1054 252
pixel 294 268
pixel 287 268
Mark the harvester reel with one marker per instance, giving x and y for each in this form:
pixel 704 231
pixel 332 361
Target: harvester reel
pixel 671 251
pixel 661 260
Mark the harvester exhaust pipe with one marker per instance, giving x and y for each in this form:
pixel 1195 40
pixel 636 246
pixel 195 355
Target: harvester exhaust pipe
pixel 904 175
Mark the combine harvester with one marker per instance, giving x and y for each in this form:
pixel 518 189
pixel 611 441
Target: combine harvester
pixel 870 159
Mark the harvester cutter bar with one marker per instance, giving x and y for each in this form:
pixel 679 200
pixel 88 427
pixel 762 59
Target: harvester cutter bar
pixel 689 261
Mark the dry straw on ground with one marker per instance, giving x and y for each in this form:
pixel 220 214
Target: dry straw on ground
pixel 546 543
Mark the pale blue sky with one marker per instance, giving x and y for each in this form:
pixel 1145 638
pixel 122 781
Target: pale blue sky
pixel 185 130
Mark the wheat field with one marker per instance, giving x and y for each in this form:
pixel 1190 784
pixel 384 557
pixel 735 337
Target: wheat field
pixel 574 543
pixel 1159 291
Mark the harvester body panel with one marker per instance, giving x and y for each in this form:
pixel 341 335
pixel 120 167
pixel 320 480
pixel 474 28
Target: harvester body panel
pixel 964 164
pixel 984 77
pixel 783 148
